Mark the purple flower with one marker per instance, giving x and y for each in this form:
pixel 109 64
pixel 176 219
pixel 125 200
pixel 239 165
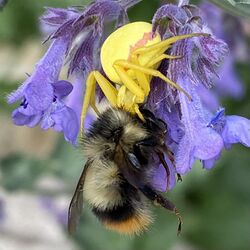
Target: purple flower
pixel 228 83
pixel 233 129
pixel 194 131
pixel 191 137
pixel 42 96
pixel 199 141
pixel 76 34
pixel 75 99
pixel 90 23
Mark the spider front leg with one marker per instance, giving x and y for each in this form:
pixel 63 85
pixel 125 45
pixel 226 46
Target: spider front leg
pixel 89 98
pixel 138 90
pixel 158 59
pixel 128 101
pixel 119 66
pixel 130 84
pixel 165 44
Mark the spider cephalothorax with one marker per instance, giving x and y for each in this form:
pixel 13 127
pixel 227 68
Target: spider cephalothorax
pixel 130 57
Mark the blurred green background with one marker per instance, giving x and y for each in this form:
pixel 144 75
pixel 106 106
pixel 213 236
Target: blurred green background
pixel 39 170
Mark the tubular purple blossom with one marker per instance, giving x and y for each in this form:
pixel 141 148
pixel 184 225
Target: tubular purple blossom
pixel 233 129
pixel 196 70
pixel 194 132
pixel 91 21
pixel 228 84
pixel 42 95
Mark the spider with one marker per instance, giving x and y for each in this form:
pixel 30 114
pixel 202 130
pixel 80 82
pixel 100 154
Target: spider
pixel 130 57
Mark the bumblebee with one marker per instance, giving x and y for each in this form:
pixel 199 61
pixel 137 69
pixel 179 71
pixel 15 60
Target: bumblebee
pixel 123 143
pixel 117 179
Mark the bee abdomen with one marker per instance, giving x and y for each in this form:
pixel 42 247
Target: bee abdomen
pixel 128 218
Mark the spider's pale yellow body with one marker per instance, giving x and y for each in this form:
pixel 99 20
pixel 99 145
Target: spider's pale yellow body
pixel 130 57
pixel 123 42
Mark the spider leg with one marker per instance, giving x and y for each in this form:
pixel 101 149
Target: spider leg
pixel 130 84
pixel 119 65
pixel 89 98
pixel 165 44
pixel 127 101
pixel 90 86
pixel 93 103
pixel 138 112
pixel 159 59
pixel 142 79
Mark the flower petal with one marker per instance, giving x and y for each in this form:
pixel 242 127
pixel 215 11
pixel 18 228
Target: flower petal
pixel 62 88
pixel 208 164
pixel 65 120
pixel 159 179
pixel 21 119
pixel 83 57
pixel 39 95
pixel 209 98
pixel 229 83
pixel 199 140
pixel 236 130
pixel 74 100
pixel 57 16
pixel 47 71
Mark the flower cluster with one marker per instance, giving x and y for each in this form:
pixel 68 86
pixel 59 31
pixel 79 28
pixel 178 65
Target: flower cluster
pixel 228 83
pixel 195 131
pixel 76 36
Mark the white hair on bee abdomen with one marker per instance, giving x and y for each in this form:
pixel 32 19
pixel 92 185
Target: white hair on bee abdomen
pixel 102 185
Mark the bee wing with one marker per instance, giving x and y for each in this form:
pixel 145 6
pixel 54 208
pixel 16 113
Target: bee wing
pixel 76 204
pixel 128 166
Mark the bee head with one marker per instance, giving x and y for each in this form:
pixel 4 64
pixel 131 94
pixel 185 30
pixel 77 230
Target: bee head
pixel 152 123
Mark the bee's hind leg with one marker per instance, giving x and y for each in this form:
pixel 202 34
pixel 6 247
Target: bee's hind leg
pixel 162 201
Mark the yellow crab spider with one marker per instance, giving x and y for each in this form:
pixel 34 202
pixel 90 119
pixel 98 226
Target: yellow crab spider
pixel 130 57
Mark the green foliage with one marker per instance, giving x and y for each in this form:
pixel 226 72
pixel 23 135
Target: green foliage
pixel 20 172
pixel 19 19
pixel 235 7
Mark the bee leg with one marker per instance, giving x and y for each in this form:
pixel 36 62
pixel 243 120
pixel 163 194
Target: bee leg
pixel 179 178
pixel 136 157
pixel 162 201
pixel 165 165
pixel 171 158
pixel 150 142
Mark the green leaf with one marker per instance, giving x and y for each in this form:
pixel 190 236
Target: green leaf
pixel 235 7
pixel 19 172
